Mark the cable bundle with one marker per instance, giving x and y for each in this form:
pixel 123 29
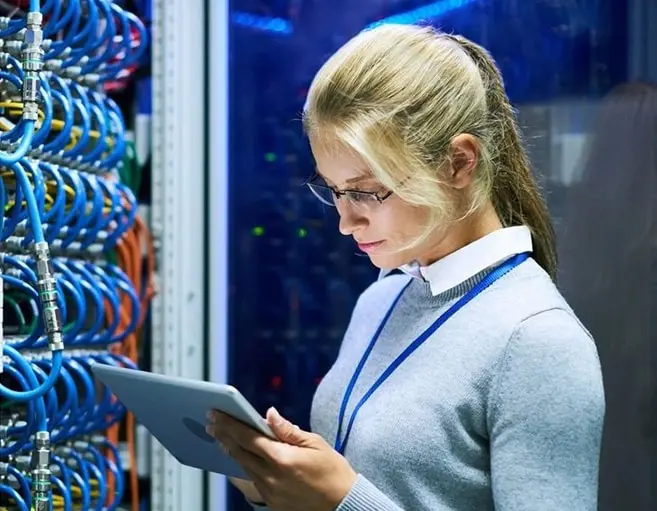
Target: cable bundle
pixel 71 249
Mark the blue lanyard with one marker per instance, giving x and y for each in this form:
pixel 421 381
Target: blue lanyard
pixel 491 277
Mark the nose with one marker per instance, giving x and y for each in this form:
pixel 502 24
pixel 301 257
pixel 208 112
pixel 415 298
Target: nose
pixel 351 220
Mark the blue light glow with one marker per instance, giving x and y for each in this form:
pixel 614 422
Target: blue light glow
pixel 273 25
pixel 425 13
pixel 280 26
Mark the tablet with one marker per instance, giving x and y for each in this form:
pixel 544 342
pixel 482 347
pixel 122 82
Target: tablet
pixel 174 411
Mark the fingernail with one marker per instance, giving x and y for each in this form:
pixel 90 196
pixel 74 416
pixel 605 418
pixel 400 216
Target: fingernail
pixel 276 416
pixel 209 429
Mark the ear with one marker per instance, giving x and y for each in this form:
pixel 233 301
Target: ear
pixel 464 156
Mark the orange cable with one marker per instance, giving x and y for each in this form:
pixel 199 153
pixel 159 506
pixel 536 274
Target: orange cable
pixel 130 260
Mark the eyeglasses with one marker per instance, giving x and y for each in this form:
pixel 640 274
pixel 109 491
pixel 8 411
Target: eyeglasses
pixel 358 199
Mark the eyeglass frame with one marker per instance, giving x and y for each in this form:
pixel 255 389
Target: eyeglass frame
pixel 337 194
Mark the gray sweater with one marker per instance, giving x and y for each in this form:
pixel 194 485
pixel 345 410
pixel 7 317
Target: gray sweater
pixel 500 409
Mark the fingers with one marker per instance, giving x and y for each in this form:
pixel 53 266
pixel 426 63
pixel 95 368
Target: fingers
pixel 230 431
pixel 284 429
pixel 254 466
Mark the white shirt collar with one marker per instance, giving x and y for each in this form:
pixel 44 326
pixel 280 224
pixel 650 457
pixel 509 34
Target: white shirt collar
pixel 459 266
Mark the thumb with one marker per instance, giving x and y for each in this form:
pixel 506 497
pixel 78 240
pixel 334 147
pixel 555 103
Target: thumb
pixel 284 430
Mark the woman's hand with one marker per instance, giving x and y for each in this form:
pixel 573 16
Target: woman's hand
pixel 301 472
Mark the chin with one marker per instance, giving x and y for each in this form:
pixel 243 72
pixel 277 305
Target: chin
pixel 387 261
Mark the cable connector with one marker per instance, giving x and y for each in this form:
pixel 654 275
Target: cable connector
pixel 33 51
pixel 32 65
pixel 30 109
pixel 72 72
pixel 2 316
pixel 90 79
pixel 98 440
pixel 46 45
pixel 52 317
pixel 81 445
pixel 23 462
pixel 41 472
pixel 14 48
pixel 53 65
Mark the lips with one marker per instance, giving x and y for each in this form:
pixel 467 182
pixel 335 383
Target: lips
pixel 368 247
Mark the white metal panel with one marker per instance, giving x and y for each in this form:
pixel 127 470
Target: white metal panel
pixel 178 184
pixel 218 73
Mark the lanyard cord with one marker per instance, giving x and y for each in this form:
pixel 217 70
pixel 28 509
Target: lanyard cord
pixel 486 282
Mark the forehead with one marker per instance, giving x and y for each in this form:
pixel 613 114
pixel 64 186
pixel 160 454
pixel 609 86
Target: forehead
pixel 339 164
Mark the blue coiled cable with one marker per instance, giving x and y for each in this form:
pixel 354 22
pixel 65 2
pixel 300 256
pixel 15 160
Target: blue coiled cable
pixel 21 437
pixel 64 491
pixel 14 496
pixel 22 483
pixel 72 211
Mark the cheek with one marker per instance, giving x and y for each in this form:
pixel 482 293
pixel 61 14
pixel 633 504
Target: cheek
pixel 403 223
pixel 400 226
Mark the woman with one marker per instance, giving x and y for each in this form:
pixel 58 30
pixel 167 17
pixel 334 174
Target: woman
pixel 467 382
pixel 609 251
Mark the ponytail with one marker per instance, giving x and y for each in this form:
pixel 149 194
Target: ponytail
pixel 515 193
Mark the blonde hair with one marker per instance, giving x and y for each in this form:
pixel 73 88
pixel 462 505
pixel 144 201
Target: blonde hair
pixel 398 94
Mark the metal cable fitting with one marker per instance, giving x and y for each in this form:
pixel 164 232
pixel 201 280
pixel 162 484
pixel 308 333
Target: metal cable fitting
pixel 32 65
pixel 41 472
pixel 47 289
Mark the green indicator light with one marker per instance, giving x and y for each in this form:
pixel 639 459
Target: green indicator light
pixel 258 231
pixel 302 233
pixel 270 157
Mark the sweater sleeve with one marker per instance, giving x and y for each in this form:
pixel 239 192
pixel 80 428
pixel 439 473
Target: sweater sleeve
pixel 364 496
pixel 545 417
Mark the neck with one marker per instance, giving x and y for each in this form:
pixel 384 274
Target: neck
pixel 462 233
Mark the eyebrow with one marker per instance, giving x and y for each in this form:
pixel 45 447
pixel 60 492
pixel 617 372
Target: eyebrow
pixel 351 181
pixel 359 179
